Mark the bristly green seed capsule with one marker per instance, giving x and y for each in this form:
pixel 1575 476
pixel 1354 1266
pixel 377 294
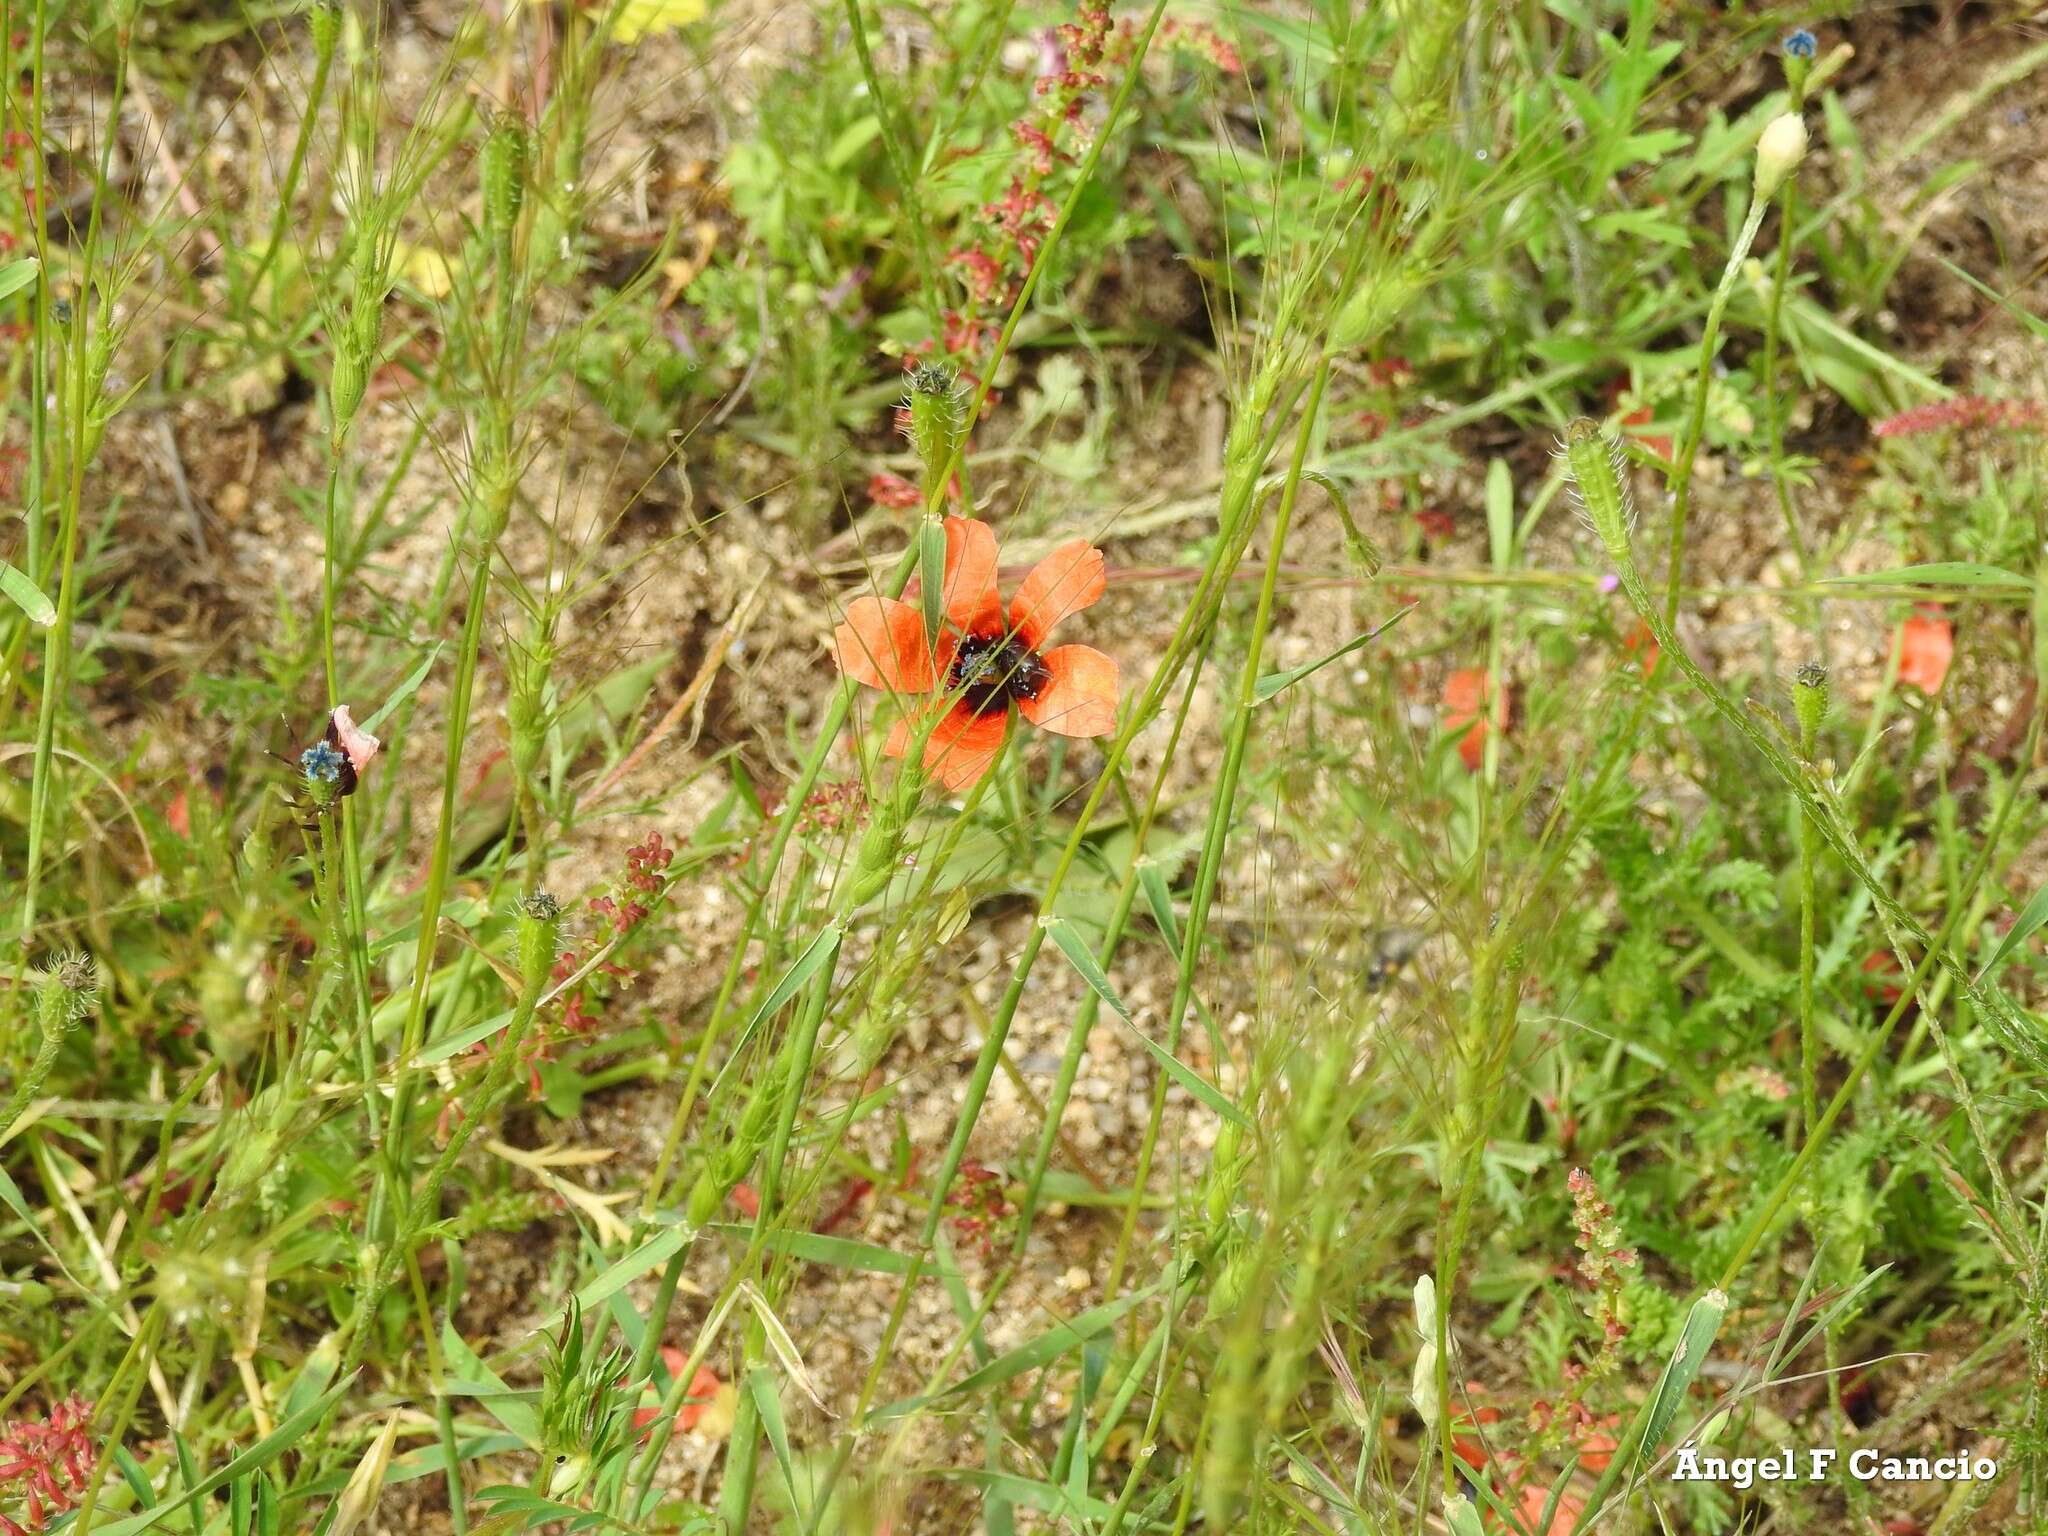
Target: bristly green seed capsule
pixel 1810 704
pixel 938 417
pixel 540 925
pixel 503 174
pixel 1593 456
pixel 66 992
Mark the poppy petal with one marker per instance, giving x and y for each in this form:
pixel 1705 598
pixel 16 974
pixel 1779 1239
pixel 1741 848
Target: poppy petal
pixel 1926 645
pixel 1079 696
pixel 972 602
pixel 962 746
pixel 1064 582
pixel 882 644
pixel 1465 699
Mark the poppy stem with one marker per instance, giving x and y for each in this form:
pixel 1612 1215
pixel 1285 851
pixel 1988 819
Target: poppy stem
pixel 1696 421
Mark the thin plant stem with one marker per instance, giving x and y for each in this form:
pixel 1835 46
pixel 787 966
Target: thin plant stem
pixel 1696 419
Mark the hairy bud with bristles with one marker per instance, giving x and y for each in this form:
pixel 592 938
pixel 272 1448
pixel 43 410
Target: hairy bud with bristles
pixel 1810 704
pixel 66 992
pixel 1593 458
pixel 540 925
pixel 938 419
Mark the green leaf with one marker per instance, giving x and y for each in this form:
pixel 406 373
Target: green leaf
pixel 617 1276
pixel 1278 682
pixel 1034 1354
pixel 472 1378
pixel 1152 880
pixel 1500 513
pixel 463 1039
pixel 17 275
pixel 2031 321
pixel 1075 948
pixel 854 138
pixel 817 1248
pixel 26 596
pixel 2024 926
pixel 404 691
pixel 761 1387
pixel 1941 573
pixel 1702 1324
pixel 137 1479
pixel 931 577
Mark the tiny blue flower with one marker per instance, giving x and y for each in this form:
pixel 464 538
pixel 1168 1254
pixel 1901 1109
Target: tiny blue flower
pixel 321 763
pixel 1800 44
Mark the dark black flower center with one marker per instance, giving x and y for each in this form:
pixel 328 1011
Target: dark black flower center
pixel 989 671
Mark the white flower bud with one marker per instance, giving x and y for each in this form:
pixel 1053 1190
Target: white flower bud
pixel 1779 151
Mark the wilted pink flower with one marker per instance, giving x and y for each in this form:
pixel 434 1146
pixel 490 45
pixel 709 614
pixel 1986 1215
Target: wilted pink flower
pixel 358 743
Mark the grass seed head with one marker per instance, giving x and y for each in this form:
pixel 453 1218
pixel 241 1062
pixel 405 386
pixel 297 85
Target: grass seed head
pixel 323 21
pixel 504 171
pixel 345 391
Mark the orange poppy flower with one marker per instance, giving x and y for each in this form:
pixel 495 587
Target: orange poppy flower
pixel 1530 1502
pixel 702 1404
pixel 1466 692
pixel 1925 647
pixel 986 660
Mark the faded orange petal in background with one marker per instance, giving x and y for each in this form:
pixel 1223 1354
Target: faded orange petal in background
pixel 1926 645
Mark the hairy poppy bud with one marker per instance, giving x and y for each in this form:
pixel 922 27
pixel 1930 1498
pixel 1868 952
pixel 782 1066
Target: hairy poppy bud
pixel 540 924
pixel 1810 704
pixel 1593 458
pixel 938 419
pixel 1779 152
pixel 66 991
